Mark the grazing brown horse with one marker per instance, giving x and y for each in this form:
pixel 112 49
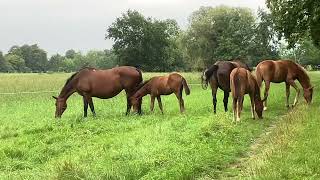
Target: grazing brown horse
pixel 104 84
pixel 243 82
pixel 162 85
pixel 218 75
pixel 284 71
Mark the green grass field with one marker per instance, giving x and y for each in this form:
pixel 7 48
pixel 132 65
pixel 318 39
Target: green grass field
pixel 195 145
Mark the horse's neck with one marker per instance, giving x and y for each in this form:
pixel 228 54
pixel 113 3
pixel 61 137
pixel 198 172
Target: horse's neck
pixel 67 91
pixel 257 95
pixel 304 79
pixel 142 91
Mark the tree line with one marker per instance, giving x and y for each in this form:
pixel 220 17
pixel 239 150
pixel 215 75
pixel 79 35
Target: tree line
pixel 214 33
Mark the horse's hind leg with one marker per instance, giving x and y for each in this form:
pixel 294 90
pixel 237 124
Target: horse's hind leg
pixel 234 107
pixel 214 96
pixel 160 103
pixel 152 103
pixel 287 94
pixel 239 108
pixel 85 107
pixel 266 93
pixel 180 99
pixel 225 100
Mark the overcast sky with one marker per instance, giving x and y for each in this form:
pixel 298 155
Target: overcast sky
pixel 59 25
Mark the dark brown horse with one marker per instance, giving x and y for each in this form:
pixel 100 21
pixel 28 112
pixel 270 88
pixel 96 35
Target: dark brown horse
pixel 243 82
pixel 104 84
pixel 284 71
pixel 162 85
pixel 218 75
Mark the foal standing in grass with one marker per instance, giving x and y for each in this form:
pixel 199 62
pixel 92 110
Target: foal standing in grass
pixel 243 82
pixel 162 85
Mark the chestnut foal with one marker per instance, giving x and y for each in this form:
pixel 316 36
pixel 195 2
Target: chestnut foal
pixel 162 85
pixel 243 82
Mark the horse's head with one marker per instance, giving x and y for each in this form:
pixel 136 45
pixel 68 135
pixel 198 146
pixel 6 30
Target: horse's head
pixel 136 104
pixel 258 107
pixel 307 93
pixel 61 106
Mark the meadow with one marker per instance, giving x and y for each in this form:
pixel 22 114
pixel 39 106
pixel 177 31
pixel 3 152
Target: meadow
pixel 195 145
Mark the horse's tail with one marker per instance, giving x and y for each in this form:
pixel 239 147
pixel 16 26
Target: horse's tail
pixel 235 84
pixel 185 86
pixel 206 75
pixel 140 74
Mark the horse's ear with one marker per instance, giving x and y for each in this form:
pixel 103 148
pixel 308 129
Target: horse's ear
pixel 54 97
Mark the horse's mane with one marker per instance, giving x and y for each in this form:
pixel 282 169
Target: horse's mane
pixel 67 85
pixel 74 74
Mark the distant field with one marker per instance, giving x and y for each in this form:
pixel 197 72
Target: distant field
pixel 197 144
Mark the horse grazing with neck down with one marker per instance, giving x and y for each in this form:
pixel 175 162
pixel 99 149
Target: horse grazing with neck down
pixel 284 71
pixel 243 82
pixel 162 85
pixel 218 75
pixel 104 84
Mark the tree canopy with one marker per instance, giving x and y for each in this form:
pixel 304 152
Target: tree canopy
pixel 296 19
pixel 144 42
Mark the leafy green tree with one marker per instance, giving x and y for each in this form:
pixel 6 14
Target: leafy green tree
pixel 265 42
pixel 220 33
pixel 35 58
pixel 296 19
pixel 56 63
pixel 70 54
pixel 3 63
pixel 17 63
pixel 141 41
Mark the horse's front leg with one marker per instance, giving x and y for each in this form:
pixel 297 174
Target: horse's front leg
pixel 128 106
pixel 252 106
pixel 85 107
pixel 225 100
pixel 160 103
pixel 293 84
pixel 91 105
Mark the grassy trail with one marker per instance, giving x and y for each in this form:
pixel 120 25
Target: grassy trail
pixel 289 149
pixel 197 144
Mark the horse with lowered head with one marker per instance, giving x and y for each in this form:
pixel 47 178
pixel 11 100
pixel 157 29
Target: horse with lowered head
pixel 162 85
pixel 284 71
pixel 104 84
pixel 243 82
pixel 218 76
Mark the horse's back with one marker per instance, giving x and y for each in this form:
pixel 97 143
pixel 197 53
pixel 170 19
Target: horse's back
pixel 277 71
pixel 109 82
pixel 239 81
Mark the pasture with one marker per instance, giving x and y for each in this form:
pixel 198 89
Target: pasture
pixel 196 144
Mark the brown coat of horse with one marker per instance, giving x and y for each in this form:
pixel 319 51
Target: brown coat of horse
pixel 284 71
pixel 218 75
pixel 104 84
pixel 243 82
pixel 162 85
